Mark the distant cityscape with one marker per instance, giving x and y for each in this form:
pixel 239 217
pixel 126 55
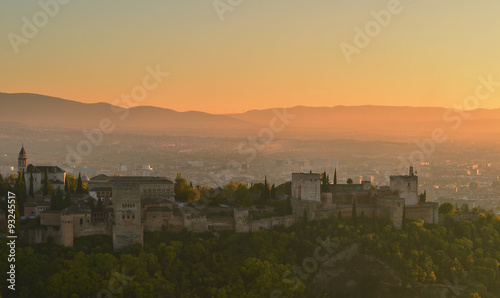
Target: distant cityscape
pixel 473 183
pixel 131 204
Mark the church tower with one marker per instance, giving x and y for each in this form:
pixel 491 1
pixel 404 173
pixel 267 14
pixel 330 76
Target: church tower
pixel 22 160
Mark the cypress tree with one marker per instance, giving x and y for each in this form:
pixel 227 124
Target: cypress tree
pixel 22 185
pixel 16 184
pixel 335 177
pixel 60 198
pixel 273 192
pixel 66 185
pixel 264 195
pixel 91 204
pixel 325 181
pixel 67 199
pixel 99 204
pixel 180 188
pixel 79 184
pixel 423 197
pixel 31 191
pixel 53 203
pixel 57 199
pixel 21 192
pixel 18 188
pixel 46 183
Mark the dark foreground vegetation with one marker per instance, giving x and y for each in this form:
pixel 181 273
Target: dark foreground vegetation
pixel 453 258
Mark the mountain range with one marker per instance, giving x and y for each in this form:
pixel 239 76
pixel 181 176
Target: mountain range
pixel 370 122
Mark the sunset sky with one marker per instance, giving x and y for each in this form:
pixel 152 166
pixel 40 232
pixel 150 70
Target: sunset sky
pixel 262 54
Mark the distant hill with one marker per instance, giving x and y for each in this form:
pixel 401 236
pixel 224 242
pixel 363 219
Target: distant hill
pixel 384 122
pixel 350 122
pixel 44 111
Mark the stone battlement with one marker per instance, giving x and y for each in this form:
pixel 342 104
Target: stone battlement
pixel 306 186
pixel 306 175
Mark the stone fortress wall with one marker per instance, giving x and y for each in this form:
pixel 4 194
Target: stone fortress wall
pixel 142 204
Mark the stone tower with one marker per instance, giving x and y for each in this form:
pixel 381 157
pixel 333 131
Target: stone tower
pixel 22 160
pixel 306 186
pixel 67 232
pixel 127 225
pixel 407 187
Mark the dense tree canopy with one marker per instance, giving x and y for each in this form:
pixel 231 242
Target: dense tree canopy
pixel 447 209
pixel 226 264
pixel 185 192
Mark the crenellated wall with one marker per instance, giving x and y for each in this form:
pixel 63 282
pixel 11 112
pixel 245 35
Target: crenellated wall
pixel 306 186
pixel 428 212
pixel 133 213
pixel 222 223
pixel 391 208
pixel 40 235
pixel 195 222
pixel 269 223
pixel 407 188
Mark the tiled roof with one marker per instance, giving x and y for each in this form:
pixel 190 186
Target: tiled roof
pixel 130 179
pixel 41 169
pixel 100 177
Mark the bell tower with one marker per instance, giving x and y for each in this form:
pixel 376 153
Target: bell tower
pixel 22 160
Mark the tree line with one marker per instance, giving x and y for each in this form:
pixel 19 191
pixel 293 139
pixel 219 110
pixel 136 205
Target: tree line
pixel 227 264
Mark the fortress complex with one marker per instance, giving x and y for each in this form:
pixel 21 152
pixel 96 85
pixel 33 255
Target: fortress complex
pixel 133 205
pixel 101 187
pixel 132 199
pixel 386 201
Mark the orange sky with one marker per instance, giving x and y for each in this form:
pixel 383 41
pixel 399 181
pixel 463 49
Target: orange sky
pixel 262 54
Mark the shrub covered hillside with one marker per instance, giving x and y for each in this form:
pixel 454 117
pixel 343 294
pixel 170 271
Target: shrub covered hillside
pixel 363 257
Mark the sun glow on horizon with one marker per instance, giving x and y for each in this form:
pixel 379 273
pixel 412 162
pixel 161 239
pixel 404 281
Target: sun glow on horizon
pixel 262 55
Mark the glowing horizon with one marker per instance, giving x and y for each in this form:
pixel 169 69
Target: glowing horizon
pixel 262 55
